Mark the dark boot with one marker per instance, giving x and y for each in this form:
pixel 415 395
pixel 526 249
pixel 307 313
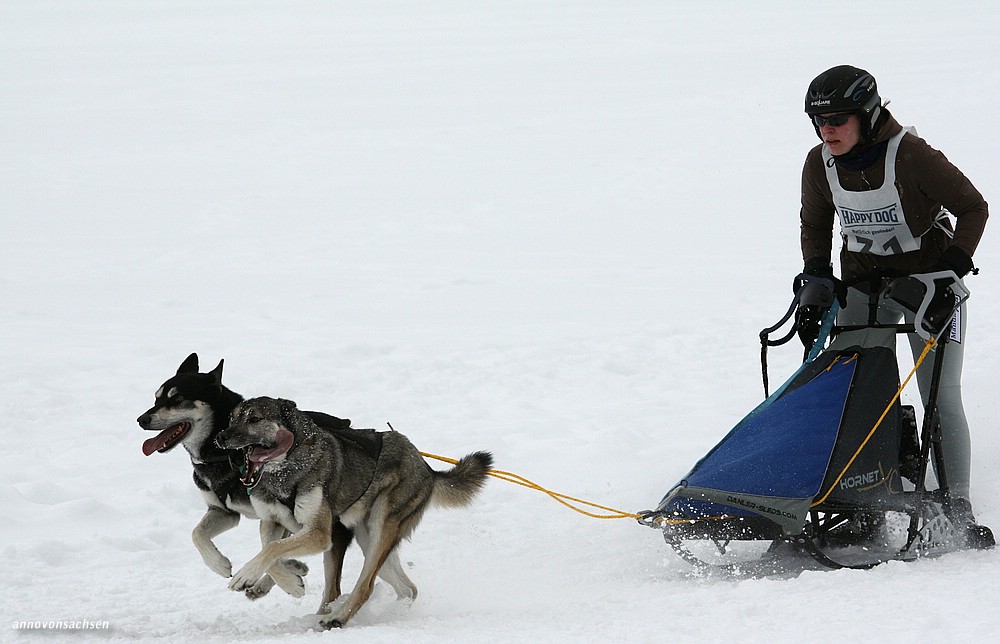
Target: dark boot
pixel 977 537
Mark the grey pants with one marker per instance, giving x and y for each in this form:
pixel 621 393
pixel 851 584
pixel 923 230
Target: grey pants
pixel 955 442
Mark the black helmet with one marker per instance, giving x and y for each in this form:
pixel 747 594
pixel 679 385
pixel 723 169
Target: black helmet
pixel 846 89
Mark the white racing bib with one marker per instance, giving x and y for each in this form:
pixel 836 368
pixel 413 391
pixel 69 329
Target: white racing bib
pixel 872 221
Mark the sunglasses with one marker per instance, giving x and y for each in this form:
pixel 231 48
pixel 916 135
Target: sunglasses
pixel 836 120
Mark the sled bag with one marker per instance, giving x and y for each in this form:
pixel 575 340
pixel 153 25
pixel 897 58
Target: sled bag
pixel 796 446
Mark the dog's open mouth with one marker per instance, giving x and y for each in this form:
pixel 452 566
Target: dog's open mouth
pixel 166 439
pixel 256 456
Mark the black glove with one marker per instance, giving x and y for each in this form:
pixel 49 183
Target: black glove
pixel 953 259
pixel 815 289
pixel 808 320
pixel 823 270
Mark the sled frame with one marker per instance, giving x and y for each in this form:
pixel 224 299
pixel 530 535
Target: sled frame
pixel 929 532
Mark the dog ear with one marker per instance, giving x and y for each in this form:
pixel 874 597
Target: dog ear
pixel 190 365
pixel 287 410
pixel 217 372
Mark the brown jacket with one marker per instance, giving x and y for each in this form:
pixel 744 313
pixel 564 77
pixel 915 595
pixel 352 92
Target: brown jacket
pixel 925 179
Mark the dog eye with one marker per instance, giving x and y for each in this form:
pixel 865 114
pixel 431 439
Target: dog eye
pixel 254 419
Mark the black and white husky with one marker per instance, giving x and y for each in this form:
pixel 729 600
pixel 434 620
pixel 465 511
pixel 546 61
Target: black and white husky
pixel 191 409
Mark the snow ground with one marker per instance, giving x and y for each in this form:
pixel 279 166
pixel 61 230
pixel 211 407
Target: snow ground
pixel 548 229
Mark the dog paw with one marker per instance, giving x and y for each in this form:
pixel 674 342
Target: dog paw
pixel 259 589
pixel 220 566
pixel 337 616
pixel 245 579
pixel 297 567
pixel 288 581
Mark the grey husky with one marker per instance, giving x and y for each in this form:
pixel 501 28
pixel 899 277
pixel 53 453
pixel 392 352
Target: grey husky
pixel 303 480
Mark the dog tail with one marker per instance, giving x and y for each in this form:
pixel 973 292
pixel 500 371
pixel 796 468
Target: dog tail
pixel 457 487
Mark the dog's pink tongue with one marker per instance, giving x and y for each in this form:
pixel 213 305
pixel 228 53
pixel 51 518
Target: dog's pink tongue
pixel 284 438
pixel 157 442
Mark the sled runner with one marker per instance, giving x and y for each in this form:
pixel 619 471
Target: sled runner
pixel 830 468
